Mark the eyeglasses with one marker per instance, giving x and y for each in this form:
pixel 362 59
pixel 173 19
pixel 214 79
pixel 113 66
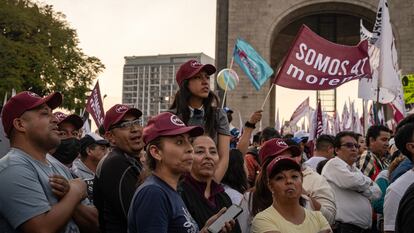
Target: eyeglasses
pixel 127 124
pixel 351 145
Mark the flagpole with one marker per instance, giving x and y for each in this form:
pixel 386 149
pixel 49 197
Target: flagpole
pixel 227 83
pixel 267 96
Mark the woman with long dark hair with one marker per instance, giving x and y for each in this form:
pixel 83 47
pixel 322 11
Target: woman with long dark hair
pixel 196 104
pixel 235 180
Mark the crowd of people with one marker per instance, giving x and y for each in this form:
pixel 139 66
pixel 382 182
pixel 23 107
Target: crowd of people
pixel 187 166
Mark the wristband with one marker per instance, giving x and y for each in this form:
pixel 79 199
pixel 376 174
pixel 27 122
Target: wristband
pixel 250 125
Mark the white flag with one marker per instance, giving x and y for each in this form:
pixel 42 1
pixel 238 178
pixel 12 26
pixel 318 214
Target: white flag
pixel 277 123
pixel 383 61
pixel 300 112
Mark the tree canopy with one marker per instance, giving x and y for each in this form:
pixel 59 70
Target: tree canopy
pixel 39 52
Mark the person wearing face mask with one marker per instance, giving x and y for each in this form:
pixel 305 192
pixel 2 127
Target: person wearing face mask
pixel 117 173
pixel 69 147
pixel 38 193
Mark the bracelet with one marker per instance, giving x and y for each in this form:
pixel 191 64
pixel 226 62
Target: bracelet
pixel 250 125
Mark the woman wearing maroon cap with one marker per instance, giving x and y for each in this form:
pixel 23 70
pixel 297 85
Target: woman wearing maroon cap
pixel 260 196
pixel 196 104
pixel 286 215
pixel 157 206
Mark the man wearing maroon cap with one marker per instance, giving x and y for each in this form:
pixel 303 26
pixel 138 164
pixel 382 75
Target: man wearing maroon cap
pixel 39 193
pixel 117 174
pixel 69 125
pixel 69 148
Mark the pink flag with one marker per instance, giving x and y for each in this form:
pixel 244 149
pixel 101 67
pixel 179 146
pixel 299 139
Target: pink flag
pixel 95 106
pixel 398 115
pixel 314 63
pixel 300 112
pixel 316 127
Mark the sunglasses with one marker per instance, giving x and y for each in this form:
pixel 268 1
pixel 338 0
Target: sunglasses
pixel 127 124
pixel 351 145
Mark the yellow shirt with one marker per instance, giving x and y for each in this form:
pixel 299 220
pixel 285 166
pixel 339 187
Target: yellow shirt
pixel 271 220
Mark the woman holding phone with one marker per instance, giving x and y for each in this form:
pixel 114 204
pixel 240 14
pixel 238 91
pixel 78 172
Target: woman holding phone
pixel 286 215
pixel 157 206
pixel 201 194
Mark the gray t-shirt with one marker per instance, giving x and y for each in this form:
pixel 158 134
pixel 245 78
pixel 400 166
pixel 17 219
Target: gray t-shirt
pixel 81 170
pixel 25 190
pixel 197 119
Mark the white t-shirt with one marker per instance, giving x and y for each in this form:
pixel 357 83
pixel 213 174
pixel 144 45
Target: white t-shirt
pixel 234 195
pixel 393 197
pixel 314 161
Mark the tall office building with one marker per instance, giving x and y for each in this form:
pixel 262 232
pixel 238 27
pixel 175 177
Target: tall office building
pixel 149 81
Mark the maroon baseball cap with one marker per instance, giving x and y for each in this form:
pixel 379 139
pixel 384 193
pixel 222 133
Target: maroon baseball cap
pixel 116 113
pixel 23 102
pixel 73 119
pixel 282 161
pixel 191 68
pixel 276 146
pixel 168 124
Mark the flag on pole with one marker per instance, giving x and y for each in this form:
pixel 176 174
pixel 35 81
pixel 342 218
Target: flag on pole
pixel 314 63
pixel 345 118
pixel 337 123
pixel 277 123
pixel 316 127
pixel 300 112
pixel 94 105
pixel 252 64
pixel 384 62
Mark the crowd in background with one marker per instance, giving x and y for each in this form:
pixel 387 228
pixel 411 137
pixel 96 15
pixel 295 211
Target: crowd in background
pixel 185 167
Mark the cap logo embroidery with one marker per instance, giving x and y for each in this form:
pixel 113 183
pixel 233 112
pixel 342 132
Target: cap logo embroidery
pixel 176 121
pixel 32 94
pixel 281 143
pixel 195 64
pixel 60 115
pixel 121 109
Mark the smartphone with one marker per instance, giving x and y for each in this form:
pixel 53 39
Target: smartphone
pixel 231 213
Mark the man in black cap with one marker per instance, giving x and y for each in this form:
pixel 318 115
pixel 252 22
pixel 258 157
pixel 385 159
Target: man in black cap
pixel 93 149
pixel 69 132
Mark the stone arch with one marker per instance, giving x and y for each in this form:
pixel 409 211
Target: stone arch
pixel 359 9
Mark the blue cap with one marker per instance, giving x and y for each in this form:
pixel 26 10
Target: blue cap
pixel 228 110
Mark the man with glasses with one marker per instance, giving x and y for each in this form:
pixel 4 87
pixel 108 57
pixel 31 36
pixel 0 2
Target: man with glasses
pixel 353 190
pixel 117 174
pixel 374 160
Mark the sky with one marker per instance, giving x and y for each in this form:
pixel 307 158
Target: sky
pixel 111 30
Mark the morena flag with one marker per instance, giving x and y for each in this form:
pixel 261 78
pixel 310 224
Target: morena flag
pixel 94 105
pixel 314 63
pixel 253 65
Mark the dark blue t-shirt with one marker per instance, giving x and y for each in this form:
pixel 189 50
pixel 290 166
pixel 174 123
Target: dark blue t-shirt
pixel 157 207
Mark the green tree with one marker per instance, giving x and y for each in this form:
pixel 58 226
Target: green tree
pixel 39 52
